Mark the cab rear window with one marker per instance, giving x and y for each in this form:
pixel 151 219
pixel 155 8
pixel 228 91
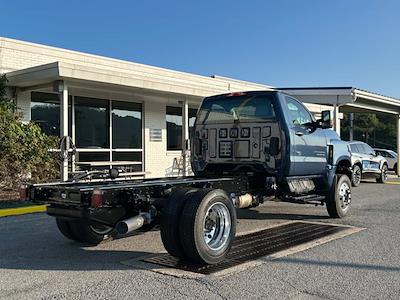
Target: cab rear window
pixel 238 108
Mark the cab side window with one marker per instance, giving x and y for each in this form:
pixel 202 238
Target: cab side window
pixel 298 113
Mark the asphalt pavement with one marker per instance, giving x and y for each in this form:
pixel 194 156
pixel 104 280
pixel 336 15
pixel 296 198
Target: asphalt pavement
pixel 37 262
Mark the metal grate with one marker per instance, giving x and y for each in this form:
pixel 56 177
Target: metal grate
pixel 255 245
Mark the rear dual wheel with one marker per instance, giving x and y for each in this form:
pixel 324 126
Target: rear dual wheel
pixel 204 226
pixel 81 231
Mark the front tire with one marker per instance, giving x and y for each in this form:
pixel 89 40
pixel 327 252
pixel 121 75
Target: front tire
pixel 208 226
pixel 356 176
pixel 384 174
pixel 339 199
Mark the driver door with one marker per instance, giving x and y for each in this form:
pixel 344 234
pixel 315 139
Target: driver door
pixel 309 153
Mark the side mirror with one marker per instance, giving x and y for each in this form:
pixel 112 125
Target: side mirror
pixel 326 120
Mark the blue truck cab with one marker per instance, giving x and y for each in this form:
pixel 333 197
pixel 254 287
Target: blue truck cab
pixel 273 136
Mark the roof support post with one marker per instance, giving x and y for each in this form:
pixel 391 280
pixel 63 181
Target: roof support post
pixel 185 136
pixel 351 126
pixel 63 89
pixel 336 119
pixel 398 144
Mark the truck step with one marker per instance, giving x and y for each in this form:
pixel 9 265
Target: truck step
pixel 305 199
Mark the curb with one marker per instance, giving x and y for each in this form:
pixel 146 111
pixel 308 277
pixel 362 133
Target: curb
pixel 7 212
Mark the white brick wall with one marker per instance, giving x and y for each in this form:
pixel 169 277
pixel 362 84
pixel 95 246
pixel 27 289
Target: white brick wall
pixel 158 161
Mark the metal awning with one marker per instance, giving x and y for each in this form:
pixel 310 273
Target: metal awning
pixel 348 99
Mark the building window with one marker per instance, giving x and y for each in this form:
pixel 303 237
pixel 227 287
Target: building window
pixel 174 126
pixel 126 125
pixel 91 123
pixel 45 111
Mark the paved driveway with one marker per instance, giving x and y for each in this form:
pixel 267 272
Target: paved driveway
pixel 37 262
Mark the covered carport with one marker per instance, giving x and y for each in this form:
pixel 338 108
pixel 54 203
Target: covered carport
pixel 350 100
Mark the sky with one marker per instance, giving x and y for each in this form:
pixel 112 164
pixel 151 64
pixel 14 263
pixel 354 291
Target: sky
pixel 280 43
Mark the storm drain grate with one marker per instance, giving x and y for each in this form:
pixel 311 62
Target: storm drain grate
pixel 255 245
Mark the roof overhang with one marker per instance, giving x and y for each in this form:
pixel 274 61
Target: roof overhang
pixel 349 99
pixel 108 78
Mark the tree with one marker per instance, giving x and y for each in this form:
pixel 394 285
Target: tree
pixel 378 130
pixel 24 148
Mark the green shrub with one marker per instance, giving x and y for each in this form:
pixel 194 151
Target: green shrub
pixel 24 149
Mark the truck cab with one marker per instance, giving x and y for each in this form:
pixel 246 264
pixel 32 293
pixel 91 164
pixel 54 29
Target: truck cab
pixel 272 135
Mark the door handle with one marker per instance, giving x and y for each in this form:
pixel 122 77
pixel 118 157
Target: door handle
pixel 299 133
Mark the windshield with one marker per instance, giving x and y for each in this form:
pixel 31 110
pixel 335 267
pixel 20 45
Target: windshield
pixel 239 108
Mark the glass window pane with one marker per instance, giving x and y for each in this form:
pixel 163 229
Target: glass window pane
pixel 126 125
pixel 127 156
pixel 45 111
pixel 298 112
pixel 243 108
pixel 91 123
pixel 174 128
pixel 92 156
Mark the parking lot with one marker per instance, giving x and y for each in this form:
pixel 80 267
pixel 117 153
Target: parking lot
pixel 37 262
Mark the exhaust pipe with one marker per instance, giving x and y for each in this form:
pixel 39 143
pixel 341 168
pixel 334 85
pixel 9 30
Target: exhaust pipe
pixel 131 224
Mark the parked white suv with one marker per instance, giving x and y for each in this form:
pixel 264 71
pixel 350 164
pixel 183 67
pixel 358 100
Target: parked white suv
pixel 366 163
pixel 390 156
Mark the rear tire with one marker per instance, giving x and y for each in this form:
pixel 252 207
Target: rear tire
pixel 356 176
pixel 208 226
pixel 65 229
pixel 90 234
pixel 383 176
pixel 395 169
pixel 339 199
pixel 170 221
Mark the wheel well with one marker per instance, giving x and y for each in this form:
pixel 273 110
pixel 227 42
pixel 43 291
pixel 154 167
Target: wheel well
pixel 344 167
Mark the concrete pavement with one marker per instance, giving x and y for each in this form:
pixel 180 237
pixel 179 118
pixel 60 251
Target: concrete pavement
pixel 37 262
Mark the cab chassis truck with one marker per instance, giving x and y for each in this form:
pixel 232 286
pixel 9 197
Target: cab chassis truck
pixel 247 147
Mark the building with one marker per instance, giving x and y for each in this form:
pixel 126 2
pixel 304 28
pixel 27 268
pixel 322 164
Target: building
pixel 119 112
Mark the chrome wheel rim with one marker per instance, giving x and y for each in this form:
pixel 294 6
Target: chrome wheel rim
pixel 101 229
pixel 344 195
pixel 357 175
pixel 217 226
